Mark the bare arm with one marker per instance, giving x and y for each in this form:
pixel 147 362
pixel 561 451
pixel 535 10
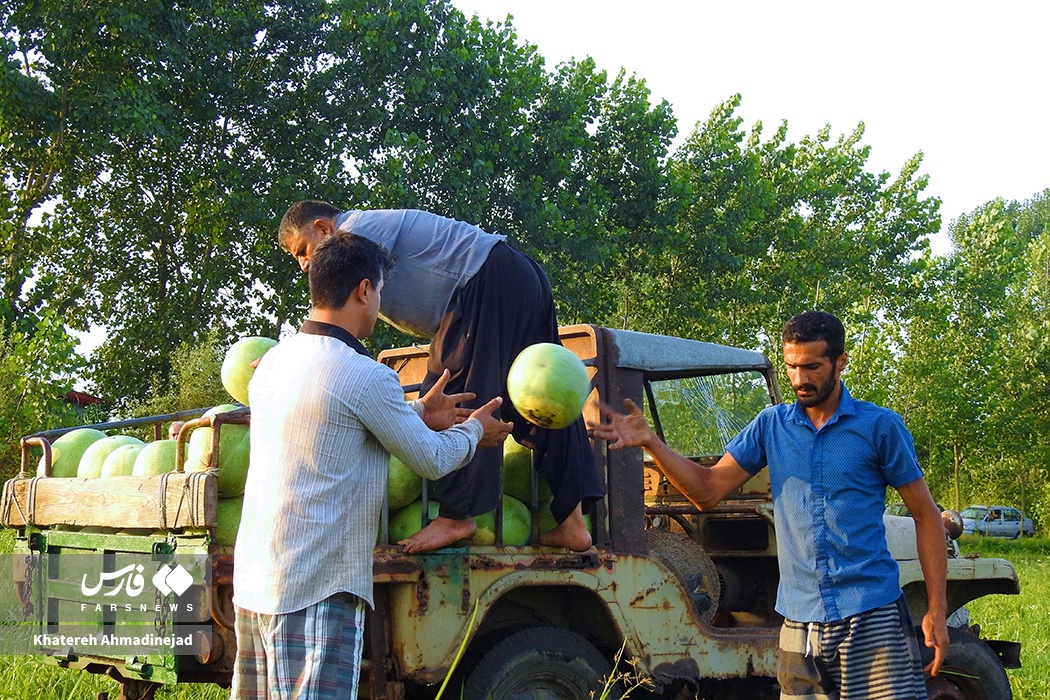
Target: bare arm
pixel 933 557
pixel 705 487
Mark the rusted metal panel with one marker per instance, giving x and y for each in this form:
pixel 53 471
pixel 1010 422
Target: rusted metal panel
pixel 624 469
pixel 646 602
pixel 660 354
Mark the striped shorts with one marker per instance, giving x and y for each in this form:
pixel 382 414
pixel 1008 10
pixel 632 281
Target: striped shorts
pixel 307 654
pixel 871 656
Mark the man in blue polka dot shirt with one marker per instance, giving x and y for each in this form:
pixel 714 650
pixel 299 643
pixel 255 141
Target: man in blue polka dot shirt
pixel 847 631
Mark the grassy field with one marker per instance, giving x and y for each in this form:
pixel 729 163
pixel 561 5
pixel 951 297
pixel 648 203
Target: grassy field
pixel 1024 618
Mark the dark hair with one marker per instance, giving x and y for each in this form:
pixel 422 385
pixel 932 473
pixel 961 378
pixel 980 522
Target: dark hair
pixel 338 265
pixel 811 326
pixel 300 215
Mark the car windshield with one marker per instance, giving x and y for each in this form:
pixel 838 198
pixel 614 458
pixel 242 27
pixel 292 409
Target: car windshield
pixel 973 512
pixel 698 416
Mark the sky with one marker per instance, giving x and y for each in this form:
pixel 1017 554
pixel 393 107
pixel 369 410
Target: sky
pixel 965 83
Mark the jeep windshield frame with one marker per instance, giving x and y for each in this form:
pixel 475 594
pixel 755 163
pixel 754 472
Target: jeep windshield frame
pixel 698 395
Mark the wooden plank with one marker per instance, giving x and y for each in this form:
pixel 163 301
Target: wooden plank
pixel 166 501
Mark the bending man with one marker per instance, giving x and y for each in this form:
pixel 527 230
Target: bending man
pixel 482 302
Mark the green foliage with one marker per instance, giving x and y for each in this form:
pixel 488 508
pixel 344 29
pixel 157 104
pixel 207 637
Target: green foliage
pixel 35 371
pixel 194 382
pixel 974 367
pixel 172 137
pixel 768 228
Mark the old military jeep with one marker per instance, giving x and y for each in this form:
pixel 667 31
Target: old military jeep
pixel 686 598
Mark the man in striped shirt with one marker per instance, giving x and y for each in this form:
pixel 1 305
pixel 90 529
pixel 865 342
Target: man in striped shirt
pixel 847 632
pixel 325 419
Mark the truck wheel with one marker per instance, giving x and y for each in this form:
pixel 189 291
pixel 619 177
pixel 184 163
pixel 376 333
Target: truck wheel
pixel 544 663
pixel 689 560
pixel 971 671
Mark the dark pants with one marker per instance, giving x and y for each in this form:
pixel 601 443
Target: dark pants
pixel 503 309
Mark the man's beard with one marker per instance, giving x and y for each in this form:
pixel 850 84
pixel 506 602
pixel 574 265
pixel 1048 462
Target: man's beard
pixel 822 392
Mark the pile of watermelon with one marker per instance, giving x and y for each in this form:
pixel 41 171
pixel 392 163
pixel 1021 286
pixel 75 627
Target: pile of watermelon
pixel 87 453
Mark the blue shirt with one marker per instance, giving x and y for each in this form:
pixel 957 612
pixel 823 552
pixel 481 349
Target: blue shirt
pixel 829 493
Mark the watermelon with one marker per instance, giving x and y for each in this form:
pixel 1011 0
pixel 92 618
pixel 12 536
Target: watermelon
pixel 227 520
pixel 95 455
pixel 548 385
pixel 67 451
pixel 237 368
pixel 233 453
pixel 517 474
pixel 403 484
pixel 155 458
pixel 121 461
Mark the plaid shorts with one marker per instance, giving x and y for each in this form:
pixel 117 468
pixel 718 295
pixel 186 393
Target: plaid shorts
pixel 871 656
pixel 310 653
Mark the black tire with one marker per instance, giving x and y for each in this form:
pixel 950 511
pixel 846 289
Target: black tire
pixel 543 663
pixel 689 560
pixel 971 668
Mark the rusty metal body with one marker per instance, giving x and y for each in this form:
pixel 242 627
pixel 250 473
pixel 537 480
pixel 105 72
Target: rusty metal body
pixel 619 593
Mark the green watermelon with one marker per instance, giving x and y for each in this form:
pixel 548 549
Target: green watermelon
pixel 517 473
pixel 548 385
pixel 227 520
pixel 67 450
pixel 156 457
pixel 121 461
pixel 95 455
pixel 237 368
pixel 402 485
pixel 517 525
pixel 233 453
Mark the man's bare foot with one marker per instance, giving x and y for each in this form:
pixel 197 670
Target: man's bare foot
pixel 441 532
pixel 571 533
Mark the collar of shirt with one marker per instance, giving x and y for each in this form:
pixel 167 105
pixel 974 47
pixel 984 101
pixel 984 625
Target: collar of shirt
pixel 845 408
pixel 321 328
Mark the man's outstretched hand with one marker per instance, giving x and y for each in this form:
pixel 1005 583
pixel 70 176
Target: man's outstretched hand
pixel 496 431
pixel 621 430
pixel 440 409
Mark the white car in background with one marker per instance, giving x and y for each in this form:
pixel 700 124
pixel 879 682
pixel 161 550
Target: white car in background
pixel 996 521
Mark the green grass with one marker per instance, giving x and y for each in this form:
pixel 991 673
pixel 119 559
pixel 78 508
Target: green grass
pixel 1022 618
pixel 31 678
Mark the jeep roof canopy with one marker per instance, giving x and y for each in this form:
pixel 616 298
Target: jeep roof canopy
pixel 660 353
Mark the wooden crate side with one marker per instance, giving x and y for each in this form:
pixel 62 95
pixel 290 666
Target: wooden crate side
pixel 165 501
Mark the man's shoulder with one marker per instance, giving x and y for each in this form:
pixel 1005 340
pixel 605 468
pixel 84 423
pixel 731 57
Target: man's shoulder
pixel 310 347
pixel 874 411
pixel 776 413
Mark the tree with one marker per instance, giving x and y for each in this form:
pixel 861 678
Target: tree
pixel 35 371
pixel 187 128
pixel 769 228
pixel 195 382
pixel 970 384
